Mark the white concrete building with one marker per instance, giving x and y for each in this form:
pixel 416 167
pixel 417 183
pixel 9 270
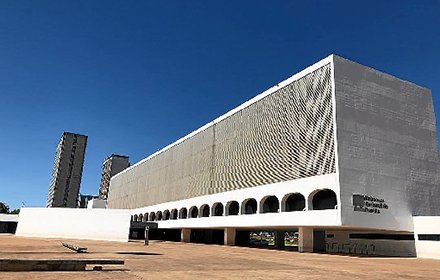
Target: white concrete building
pixel 340 152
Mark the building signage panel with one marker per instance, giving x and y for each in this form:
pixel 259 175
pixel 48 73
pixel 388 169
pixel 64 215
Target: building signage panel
pixel 368 204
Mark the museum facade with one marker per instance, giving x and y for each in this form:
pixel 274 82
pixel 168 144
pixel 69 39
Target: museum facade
pixel 341 153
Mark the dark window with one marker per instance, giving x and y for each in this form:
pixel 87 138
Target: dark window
pixel 429 237
pixel 217 209
pixel 295 202
pixel 173 214
pixel 183 213
pixel 324 199
pixel 152 216
pixel 193 212
pixel 159 215
pixel 249 206
pixel 270 204
pixel 232 208
pixel 204 210
pixel 376 236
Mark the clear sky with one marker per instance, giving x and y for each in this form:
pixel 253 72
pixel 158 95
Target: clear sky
pixel 137 75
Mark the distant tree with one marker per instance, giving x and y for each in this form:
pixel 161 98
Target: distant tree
pixel 4 208
pixel 15 211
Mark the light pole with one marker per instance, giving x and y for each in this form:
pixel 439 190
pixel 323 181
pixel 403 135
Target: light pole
pixel 147 229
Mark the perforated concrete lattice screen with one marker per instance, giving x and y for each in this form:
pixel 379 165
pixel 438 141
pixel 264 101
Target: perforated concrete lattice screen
pixel 286 135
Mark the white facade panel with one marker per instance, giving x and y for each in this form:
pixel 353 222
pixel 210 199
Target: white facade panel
pixel 96 203
pixel 430 226
pixel 306 187
pixel 340 242
pixel 286 133
pixel 75 223
pixel 387 148
pixel 322 218
pixel 8 218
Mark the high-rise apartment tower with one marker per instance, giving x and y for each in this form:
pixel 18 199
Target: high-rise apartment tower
pixel 111 166
pixel 67 171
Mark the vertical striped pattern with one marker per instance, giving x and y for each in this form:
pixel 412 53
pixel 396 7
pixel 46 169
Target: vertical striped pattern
pixel 286 135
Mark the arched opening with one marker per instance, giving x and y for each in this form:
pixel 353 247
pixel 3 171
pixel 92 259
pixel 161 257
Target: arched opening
pixel 132 218
pixel 135 218
pixel 166 215
pixel 146 217
pixel 173 215
pixel 204 210
pixel 293 202
pixel 217 209
pixel 183 213
pixel 141 217
pixel 159 215
pixel 269 204
pixel 193 212
pixel 232 208
pixel 152 216
pixel 324 199
pixel 249 206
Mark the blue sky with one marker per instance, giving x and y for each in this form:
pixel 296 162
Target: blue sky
pixel 137 75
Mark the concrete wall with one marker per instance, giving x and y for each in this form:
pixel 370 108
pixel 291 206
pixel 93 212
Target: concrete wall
pixel 97 203
pixel 8 218
pixel 427 248
pixel 341 243
pixel 307 187
pixel 387 147
pixel 98 224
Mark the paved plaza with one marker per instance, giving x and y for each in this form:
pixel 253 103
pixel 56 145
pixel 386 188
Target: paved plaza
pixel 171 260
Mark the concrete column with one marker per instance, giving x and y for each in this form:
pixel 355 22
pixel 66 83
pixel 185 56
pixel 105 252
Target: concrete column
pixel 185 234
pixel 305 239
pixel 279 239
pixel 229 236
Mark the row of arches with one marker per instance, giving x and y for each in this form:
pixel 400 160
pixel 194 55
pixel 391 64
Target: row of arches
pixel 320 200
